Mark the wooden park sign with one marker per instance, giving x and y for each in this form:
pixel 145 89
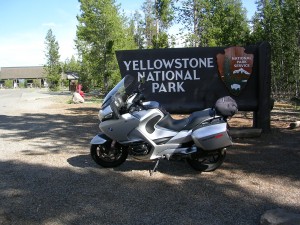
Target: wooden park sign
pixel 184 80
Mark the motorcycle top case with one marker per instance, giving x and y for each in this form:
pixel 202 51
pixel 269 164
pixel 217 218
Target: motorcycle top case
pixel 226 106
pixel 212 137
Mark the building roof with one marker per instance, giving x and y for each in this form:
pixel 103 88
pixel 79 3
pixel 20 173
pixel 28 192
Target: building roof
pixel 28 72
pixel 71 75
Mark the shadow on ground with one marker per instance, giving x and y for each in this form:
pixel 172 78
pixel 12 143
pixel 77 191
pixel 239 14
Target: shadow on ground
pixel 84 193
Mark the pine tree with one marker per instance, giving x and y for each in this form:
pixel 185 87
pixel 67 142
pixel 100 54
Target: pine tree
pixel 158 17
pixel 136 28
pixel 150 23
pixel 53 66
pixel 291 54
pixel 214 23
pixel 230 25
pixel 71 65
pixel 164 14
pixel 101 31
pixel 278 23
pixel 195 17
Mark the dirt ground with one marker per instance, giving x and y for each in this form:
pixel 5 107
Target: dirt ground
pixel 48 177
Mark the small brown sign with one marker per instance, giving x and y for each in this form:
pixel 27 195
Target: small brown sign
pixel 235 68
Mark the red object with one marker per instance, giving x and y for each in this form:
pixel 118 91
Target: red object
pixel 81 93
pixel 78 89
pixel 219 136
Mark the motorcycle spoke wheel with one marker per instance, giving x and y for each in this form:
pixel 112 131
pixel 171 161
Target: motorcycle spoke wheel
pixel 207 163
pixel 106 156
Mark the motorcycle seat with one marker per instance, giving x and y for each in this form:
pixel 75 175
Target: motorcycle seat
pixel 173 124
pixel 187 123
pixel 198 117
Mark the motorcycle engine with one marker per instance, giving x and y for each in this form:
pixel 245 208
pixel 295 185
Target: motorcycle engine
pixel 140 149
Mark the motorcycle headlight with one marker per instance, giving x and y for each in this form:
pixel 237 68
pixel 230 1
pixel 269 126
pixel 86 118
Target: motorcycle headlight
pixel 105 113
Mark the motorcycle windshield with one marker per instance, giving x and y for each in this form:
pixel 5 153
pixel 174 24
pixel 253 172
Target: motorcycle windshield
pixel 121 88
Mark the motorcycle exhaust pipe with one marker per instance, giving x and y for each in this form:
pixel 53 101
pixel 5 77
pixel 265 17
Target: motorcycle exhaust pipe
pixel 180 153
pixel 186 151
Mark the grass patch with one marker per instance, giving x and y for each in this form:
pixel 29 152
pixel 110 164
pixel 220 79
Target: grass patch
pixel 286 105
pixel 93 99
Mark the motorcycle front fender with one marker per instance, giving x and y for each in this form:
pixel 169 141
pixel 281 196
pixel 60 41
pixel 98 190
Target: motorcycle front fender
pixel 99 139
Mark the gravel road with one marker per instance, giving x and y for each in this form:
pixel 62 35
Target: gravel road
pixel 47 176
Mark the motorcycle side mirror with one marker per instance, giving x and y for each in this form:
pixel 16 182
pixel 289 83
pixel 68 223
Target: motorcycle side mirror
pixel 142 81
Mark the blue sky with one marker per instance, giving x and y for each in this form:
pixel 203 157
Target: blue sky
pixel 24 25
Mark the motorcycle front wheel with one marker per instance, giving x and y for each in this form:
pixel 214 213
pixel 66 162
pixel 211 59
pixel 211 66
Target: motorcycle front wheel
pixel 207 162
pixel 107 155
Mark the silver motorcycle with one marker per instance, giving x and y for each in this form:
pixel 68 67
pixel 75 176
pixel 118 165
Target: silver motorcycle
pixel 130 125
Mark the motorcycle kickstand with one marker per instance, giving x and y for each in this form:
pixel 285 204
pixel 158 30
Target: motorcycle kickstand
pixel 155 167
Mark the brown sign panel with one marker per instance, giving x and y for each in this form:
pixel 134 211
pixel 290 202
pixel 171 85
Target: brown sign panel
pixel 184 80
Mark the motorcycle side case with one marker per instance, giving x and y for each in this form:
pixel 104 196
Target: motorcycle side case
pixel 212 137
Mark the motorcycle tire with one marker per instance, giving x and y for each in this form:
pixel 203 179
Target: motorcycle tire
pixel 107 156
pixel 207 162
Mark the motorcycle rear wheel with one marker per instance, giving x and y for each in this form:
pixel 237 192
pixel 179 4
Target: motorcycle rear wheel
pixel 207 162
pixel 107 156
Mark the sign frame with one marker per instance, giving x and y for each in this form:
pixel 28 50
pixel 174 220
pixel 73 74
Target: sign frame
pixel 185 80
